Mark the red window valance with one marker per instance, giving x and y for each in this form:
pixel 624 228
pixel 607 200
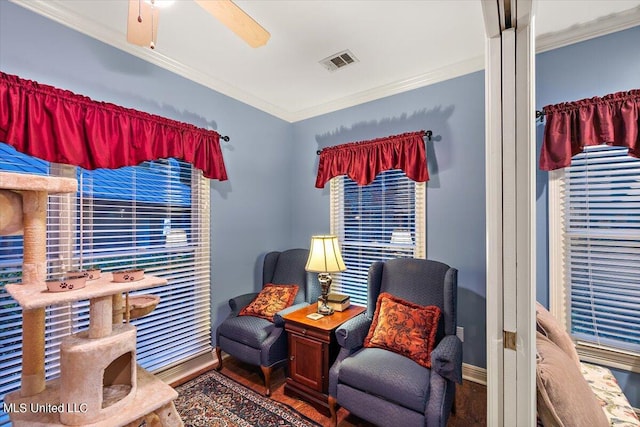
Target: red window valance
pixel 362 161
pixel 63 127
pixel 571 126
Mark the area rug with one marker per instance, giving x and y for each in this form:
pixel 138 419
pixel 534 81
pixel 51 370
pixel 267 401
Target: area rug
pixel 214 400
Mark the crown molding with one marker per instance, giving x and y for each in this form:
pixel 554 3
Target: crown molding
pixel 434 76
pixel 579 33
pixel 56 12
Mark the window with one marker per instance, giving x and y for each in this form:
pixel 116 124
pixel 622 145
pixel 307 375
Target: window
pixel 154 216
pixel 594 228
pixel 382 220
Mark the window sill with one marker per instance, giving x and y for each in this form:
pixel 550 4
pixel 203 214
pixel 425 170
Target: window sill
pixel 613 358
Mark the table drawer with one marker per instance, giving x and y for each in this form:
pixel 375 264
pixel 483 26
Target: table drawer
pixel 305 331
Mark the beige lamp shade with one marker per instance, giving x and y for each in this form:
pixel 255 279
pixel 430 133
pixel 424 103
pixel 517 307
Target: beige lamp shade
pixel 324 255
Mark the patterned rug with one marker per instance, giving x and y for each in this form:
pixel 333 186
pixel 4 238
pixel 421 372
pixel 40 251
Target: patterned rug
pixel 213 400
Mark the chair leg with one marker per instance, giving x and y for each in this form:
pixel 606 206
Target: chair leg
pixel 453 401
pixel 333 410
pixel 453 405
pixel 219 357
pixel 266 371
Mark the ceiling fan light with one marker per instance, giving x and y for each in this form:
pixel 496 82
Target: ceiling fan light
pixel 160 3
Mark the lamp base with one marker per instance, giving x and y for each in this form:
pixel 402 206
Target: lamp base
pixel 325 285
pixel 325 310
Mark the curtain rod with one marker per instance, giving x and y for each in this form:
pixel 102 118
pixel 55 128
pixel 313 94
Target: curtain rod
pixel 427 133
pixel 225 138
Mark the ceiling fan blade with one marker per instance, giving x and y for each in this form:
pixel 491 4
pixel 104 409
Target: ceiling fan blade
pixel 145 32
pixel 237 20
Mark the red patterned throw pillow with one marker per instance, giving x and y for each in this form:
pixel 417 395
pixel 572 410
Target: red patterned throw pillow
pixel 271 299
pixel 404 327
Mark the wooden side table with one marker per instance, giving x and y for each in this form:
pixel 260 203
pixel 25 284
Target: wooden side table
pixel 312 351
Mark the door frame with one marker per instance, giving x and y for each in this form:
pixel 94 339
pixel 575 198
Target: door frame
pixel 510 211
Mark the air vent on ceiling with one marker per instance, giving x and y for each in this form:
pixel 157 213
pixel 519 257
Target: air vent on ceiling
pixel 339 60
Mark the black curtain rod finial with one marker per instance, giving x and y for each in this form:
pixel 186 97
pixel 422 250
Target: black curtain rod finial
pixel 225 138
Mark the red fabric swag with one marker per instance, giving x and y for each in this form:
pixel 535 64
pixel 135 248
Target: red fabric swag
pixel 63 127
pixel 571 126
pixel 362 161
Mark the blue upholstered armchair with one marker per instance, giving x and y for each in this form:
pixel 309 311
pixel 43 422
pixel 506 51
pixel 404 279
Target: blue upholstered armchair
pixel 387 388
pixel 258 341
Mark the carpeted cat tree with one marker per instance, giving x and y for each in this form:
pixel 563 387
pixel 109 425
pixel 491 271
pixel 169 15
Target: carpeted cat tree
pixel 100 383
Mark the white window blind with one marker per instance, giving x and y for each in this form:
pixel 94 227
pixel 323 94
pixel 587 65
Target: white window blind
pixel 602 247
pixel 379 221
pixel 153 216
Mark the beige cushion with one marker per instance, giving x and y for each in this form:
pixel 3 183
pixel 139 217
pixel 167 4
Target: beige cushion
pixel 564 398
pixel 549 327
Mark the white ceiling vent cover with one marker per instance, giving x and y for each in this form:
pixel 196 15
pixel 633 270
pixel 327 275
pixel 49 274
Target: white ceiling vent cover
pixel 339 60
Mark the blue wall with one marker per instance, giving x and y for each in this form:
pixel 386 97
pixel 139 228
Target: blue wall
pixel 595 67
pixel 250 212
pixel 455 196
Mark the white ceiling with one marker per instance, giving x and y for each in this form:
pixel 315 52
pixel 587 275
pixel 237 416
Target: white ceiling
pixel 400 44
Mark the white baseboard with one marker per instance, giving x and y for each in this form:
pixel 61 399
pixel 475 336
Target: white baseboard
pixel 178 373
pixel 474 373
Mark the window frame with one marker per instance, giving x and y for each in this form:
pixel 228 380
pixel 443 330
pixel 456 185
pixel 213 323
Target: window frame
pixel 559 293
pixel 336 212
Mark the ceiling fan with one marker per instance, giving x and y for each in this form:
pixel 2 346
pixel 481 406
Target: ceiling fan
pixel 142 22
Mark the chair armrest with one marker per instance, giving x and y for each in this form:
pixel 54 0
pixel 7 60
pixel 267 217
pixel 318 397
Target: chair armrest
pixel 351 334
pixel 240 302
pixel 446 358
pixel 278 317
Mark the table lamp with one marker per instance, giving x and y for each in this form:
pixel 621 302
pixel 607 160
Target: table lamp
pixel 324 259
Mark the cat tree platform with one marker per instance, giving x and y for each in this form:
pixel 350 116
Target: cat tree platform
pixel 28 182
pixel 36 295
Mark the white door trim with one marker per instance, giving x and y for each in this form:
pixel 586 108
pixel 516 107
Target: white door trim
pixel 510 199
pixel 493 182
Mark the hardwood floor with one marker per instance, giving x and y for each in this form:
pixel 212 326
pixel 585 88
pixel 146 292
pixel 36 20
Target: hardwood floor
pixel 470 403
